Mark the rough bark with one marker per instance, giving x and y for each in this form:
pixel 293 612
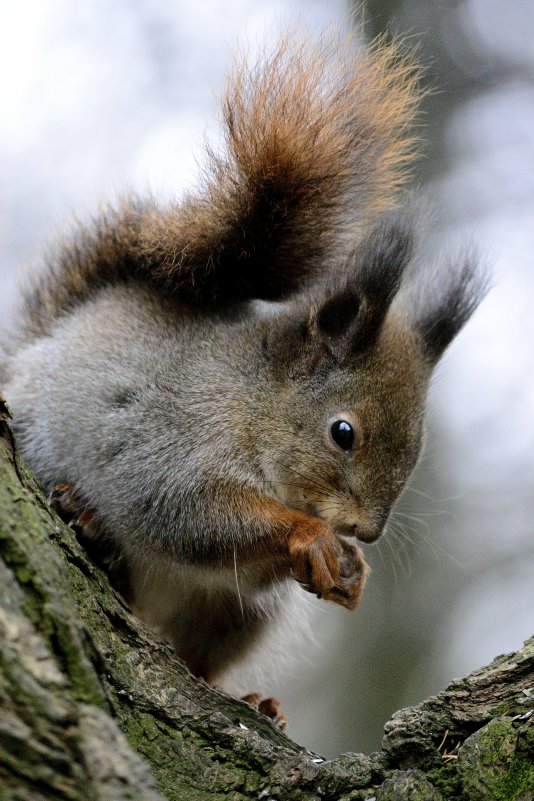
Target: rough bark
pixel 94 707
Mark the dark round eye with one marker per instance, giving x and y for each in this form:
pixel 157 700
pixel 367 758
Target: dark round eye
pixel 343 434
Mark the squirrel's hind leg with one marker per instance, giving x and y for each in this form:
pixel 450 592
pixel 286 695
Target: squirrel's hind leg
pixel 270 707
pixel 68 505
pixel 65 501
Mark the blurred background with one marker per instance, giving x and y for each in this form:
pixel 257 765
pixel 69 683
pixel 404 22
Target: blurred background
pixel 96 97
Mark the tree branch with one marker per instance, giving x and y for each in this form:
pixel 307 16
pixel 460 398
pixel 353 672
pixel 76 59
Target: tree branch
pixel 93 706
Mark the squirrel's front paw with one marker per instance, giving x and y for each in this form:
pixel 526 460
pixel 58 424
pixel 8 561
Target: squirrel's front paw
pixel 326 565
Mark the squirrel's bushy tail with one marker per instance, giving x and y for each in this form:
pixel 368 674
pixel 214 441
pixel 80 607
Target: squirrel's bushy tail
pixel 318 139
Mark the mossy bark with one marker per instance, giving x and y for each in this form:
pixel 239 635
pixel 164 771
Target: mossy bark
pixel 93 706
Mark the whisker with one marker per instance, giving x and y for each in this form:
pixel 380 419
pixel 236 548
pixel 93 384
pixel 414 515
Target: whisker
pixel 381 555
pixel 431 498
pixel 310 479
pixel 286 484
pixel 395 577
pixel 424 539
pixel 324 486
pixel 308 599
pixel 237 585
pixel 338 492
pixel 419 515
pixel 402 555
pixel 280 599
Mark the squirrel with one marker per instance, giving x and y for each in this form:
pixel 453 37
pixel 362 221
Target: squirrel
pixel 227 391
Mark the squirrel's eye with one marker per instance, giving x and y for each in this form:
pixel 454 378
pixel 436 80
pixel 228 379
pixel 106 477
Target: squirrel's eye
pixel 343 434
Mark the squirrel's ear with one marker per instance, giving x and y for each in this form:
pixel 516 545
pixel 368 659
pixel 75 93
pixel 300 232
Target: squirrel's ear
pixel 440 301
pixel 352 315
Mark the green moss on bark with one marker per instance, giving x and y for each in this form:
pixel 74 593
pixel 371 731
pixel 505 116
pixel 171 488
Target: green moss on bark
pixel 497 762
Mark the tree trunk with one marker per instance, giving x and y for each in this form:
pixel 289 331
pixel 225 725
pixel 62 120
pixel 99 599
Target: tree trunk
pixel 94 707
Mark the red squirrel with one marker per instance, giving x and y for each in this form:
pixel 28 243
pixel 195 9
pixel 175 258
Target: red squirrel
pixel 228 391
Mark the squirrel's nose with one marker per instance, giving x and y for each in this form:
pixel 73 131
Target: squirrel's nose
pixel 370 526
pixel 368 533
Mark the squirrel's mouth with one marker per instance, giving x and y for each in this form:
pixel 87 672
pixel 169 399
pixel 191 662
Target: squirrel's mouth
pixel 362 534
pixel 368 535
pixel 355 525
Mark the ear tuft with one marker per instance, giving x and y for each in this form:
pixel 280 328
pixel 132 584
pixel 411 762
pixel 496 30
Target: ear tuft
pixel 352 314
pixel 440 302
pixel 381 259
pixel 377 267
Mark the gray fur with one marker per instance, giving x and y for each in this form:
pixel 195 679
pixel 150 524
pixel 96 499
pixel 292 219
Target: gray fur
pixel 171 423
pixel 167 421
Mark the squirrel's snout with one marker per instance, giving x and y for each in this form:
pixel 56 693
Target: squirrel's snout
pixel 349 519
pixel 365 532
pixel 370 525
pixel 371 534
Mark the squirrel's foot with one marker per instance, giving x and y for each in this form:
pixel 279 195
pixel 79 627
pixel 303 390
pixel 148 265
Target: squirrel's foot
pixel 269 707
pixel 64 500
pixel 326 565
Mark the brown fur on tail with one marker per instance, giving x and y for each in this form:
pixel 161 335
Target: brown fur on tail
pixel 317 141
